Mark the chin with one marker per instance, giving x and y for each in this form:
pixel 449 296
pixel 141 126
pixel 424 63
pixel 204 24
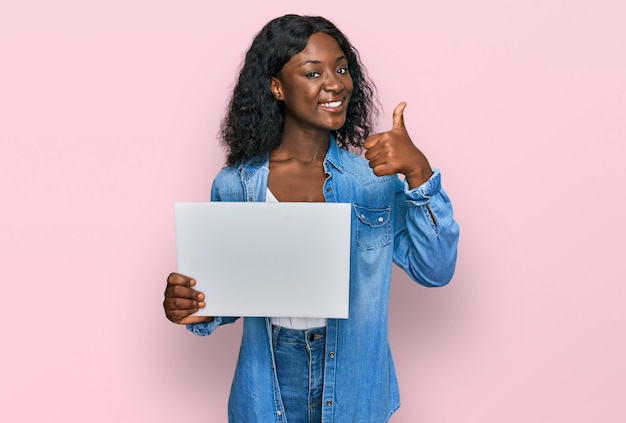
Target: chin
pixel 335 126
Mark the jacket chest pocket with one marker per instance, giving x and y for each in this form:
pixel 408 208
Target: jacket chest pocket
pixel 373 226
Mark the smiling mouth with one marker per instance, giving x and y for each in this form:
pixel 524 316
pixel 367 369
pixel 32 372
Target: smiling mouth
pixel 332 104
pixel 337 106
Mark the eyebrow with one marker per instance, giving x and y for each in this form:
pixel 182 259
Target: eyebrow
pixel 317 62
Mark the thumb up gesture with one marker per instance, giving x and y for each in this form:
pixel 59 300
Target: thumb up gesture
pixel 393 152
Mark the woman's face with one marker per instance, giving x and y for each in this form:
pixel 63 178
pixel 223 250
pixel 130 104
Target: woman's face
pixel 315 85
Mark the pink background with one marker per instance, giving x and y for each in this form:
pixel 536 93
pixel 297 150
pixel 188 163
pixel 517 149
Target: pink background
pixel 110 111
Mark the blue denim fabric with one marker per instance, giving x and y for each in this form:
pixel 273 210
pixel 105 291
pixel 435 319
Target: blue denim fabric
pixel 391 224
pixel 299 358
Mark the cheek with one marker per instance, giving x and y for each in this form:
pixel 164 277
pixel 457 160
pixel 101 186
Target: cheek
pixel 349 85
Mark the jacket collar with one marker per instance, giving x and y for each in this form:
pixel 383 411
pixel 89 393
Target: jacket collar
pixel 333 155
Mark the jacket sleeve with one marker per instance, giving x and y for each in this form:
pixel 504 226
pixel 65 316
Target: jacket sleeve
pixel 204 329
pixel 425 233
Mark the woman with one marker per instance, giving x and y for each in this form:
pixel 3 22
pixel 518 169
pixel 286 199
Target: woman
pixel 301 102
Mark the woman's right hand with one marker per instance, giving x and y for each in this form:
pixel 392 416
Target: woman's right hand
pixel 181 300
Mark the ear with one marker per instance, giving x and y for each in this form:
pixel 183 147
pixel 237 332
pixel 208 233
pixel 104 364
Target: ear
pixel 276 88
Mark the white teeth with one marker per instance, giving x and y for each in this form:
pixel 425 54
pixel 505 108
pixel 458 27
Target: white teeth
pixel 332 104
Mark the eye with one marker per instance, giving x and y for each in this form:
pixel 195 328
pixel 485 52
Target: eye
pixel 312 74
pixel 342 71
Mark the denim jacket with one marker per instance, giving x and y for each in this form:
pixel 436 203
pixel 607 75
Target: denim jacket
pixel 390 223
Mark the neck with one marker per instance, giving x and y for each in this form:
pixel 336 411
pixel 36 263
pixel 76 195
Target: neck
pixel 307 146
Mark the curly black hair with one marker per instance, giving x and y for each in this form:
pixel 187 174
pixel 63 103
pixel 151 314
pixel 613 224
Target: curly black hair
pixel 254 119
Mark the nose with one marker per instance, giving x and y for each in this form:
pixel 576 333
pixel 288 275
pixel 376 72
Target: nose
pixel 333 83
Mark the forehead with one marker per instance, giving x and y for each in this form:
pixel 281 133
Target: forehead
pixel 320 47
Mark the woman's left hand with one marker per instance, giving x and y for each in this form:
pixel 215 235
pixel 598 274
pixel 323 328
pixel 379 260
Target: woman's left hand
pixel 393 152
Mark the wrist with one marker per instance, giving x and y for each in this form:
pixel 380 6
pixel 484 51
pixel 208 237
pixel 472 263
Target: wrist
pixel 417 177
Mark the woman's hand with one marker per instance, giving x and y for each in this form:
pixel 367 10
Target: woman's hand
pixel 393 152
pixel 181 300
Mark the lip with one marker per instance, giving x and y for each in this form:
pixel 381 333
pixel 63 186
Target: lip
pixel 333 105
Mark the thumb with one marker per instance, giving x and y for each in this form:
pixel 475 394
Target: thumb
pixel 398 117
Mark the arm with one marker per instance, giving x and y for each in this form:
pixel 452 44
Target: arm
pixel 426 234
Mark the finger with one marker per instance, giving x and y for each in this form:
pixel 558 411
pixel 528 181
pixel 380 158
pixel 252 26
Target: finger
pixel 383 169
pixel 177 316
pixel 178 279
pixel 182 304
pixel 383 147
pixel 179 309
pixel 372 152
pixel 398 115
pixel 377 160
pixel 179 291
pixel 175 279
pixel 371 141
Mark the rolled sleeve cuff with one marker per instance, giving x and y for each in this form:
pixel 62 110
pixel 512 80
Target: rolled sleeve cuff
pixel 421 195
pixel 204 329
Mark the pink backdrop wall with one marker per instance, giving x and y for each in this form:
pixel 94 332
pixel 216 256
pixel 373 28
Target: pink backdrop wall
pixel 109 113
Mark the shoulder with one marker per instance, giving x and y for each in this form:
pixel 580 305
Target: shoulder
pixel 227 184
pixel 235 171
pixel 231 181
pixel 227 172
pixel 226 176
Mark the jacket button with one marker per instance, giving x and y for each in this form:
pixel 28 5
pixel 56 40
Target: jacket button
pixel 329 403
pixel 250 198
pixel 380 219
pixel 279 413
pixel 331 354
pixel 328 189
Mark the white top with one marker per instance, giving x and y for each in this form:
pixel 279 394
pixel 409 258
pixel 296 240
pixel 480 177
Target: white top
pixel 299 323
